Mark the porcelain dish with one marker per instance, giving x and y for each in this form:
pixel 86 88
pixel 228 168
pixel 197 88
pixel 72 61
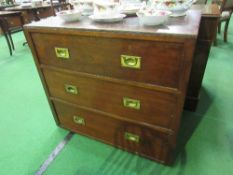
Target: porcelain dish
pixel 177 7
pixel 25 5
pixel 70 15
pixel 130 9
pixel 37 3
pixel 107 19
pixel 106 8
pixel 151 17
pixel 86 6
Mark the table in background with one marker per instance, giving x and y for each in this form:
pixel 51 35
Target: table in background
pixel 36 13
pixel 206 36
pixel 4 15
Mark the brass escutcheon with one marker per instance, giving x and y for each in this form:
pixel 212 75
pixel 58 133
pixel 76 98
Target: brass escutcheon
pixel 71 89
pixel 132 137
pixel 62 53
pixel 131 103
pixel 131 61
pixel 79 120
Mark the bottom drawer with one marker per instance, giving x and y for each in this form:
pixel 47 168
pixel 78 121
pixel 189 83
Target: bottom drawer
pixel 131 137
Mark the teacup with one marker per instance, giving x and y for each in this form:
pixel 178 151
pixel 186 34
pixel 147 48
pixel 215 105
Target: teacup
pixel 86 6
pixel 106 8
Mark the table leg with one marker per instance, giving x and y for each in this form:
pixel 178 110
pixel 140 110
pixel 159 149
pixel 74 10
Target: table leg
pixel 3 27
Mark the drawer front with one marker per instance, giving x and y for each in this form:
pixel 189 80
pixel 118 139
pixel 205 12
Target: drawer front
pixel 127 136
pixel 14 21
pixel 144 61
pixel 135 103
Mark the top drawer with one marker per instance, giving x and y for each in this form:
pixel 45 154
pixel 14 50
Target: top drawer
pixel 153 62
pixel 14 21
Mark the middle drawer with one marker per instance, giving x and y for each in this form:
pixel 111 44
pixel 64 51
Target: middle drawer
pixel 130 102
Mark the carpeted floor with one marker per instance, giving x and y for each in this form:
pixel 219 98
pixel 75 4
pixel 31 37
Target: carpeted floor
pixel 28 133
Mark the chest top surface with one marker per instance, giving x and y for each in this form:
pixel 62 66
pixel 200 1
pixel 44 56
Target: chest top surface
pixel 187 26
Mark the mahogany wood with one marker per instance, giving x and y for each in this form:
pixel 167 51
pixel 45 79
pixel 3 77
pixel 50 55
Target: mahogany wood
pixel 94 68
pixel 206 36
pixel 152 144
pixel 160 61
pixel 6 26
pixel 156 108
pixel 36 13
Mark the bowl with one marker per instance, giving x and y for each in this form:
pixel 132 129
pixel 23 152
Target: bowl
pixel 177 7
pixel 152 17
pixel 70 15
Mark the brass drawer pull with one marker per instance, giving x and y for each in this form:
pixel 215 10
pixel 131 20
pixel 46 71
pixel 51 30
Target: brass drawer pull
pixel 131 61
pixel 62 53
pixel 79 120
pixel 131 103
pixel 71 89
pixel 132 137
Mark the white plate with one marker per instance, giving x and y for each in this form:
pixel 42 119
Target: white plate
pixel 115 18
pixel 130 10
pixel 87 13
pixel 177 15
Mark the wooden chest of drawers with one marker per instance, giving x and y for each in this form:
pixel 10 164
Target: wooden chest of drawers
pixel 120 83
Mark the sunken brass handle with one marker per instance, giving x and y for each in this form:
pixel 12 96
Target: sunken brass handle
pixel 62 53
pixel 131 103
pixel 132 137
pixel 71 89
pixel 79 120
pixel 131 61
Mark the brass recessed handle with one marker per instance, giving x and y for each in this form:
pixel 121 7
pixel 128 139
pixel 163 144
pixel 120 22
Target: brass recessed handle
pixel 62 53
pixel 131 61
pixel 79 120
pixel 131 103
pixel 71 89
pixel 132 137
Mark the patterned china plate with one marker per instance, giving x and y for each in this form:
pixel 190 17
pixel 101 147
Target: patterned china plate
pixel 116 18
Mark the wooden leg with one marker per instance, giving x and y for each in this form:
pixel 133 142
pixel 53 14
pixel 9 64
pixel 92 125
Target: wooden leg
pixel 215 39
pixel 9 34
pixel 2 26
pixel 225 30
pixel 8 43
pixel 219 27
pixel 12 44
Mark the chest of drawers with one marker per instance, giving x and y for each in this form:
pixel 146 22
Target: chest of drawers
pixel 122 84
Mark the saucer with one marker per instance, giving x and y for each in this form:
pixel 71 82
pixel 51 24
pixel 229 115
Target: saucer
pixel 115 18
pixel 177 15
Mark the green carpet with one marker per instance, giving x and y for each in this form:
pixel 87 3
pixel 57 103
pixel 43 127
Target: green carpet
pixel 28 133
pixel 27 130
